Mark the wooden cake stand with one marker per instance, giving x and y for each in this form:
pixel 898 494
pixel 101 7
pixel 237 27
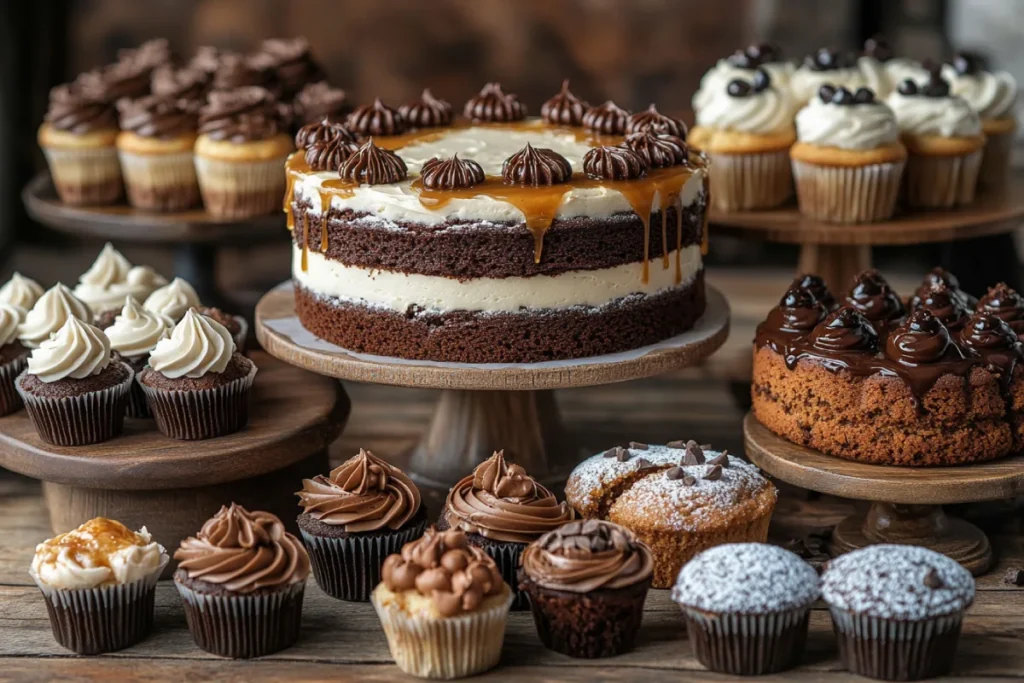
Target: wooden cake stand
pixel 487 407
pixel 144 478
pixel 905 501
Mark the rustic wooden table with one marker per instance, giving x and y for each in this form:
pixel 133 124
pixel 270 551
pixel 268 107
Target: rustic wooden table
pixel 342 641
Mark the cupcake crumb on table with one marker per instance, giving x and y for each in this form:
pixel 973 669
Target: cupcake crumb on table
pixel 111 278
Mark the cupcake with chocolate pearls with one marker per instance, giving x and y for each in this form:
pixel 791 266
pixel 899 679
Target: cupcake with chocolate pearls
pixel 196 384
pixel 747 606
pixel 75 392
pixel 587 581
pixel 242 579
pixel 111 278
pixel 897 610
pixel 13 357
pixel 133 335
pixel 503 509
pixel 352 519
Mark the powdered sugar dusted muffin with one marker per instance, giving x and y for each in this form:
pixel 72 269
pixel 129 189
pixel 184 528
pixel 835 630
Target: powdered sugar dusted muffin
pixel 897 610
pixel 752 618
pixel 679 499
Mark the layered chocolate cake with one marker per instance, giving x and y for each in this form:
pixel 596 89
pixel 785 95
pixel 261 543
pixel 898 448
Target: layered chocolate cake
pixel 495 237
pixel 871 378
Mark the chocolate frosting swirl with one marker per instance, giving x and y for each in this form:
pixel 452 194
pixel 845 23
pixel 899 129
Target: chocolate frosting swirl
pixel 244 552
pixel 73 111
pixel 872 296
pixel 614 163
pixel 986 332
pixel 798 312
pixel 319 101
pixel 845 329
pixel 940 275
pixel 1006 304
pixel 443 566
pixel 239 71
pixel 321 131
pixel 816 286
pixel 653 121
pixel 155 116
pixel 187 83
pixel 427 112
pixel 500 501
pixel 607 119
pixel 451 174
pixel 921 339
pixel 564 109
pixel 659 151
pixel 494 105
pixel 589 555
pixel 329 155
pixel 114 81
pixel 240 115
pixel 206 59
pixel 362 494
pixel 944 304
pixel 372 165
pixel 376 119
pixel 292 63
pixel 536 167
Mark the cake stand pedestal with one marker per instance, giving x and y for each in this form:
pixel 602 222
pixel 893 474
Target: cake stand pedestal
pixel 144 478
pixel 491 406
pixel 905 501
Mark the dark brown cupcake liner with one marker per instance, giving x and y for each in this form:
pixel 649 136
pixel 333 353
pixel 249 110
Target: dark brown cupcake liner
pixel 138 407
pixel 349 568
pixel 79 420
pixel 203 414
pixel 506 556
pixel 747 644
pixel 10 399
pixel 896 650
pixel 600 623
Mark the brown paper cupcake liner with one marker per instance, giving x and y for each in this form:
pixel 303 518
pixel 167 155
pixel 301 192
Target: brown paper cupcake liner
pixel 995 160
pixel 160 182
pixel 506 555
pixel 600 623
pixel 938 182
pixel 747 644
pixel 847 194
pixel 10 399
pixel 742 182
pixel 349 568
pixel 204 414
pixel 92 621
pixel 244 626
pixel 79 420
pixel 138 406
pixel 241 189
pixel 444 648
pixel 88 176
pixel 896 650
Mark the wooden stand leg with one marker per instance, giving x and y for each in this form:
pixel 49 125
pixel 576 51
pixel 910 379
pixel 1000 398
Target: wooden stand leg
pixel 468 426
pixel 923 525
pixel 836 265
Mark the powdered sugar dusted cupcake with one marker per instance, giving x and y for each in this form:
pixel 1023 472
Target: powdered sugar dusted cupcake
pixel 111 278
pixel 746 607
pixel 897 610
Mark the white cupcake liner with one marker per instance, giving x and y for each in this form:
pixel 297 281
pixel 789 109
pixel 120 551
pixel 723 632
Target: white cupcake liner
pixel 742 182
pixel 847 194
pixel 160 182
pixel 203 414
pixel 10 399
pixel 995 160
pixel 241 189
pixel 92 621
pixel 85 176
pixel 939 182
pixel 444 648
pixel 747 644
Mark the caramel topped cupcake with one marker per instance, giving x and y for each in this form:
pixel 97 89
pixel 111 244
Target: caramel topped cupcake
pixel 111 278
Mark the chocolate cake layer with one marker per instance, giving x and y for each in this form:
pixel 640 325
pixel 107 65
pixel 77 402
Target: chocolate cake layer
pixel 529 337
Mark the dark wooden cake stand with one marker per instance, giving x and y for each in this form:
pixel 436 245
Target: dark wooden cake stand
pixel 905 501
pixel 144 478
pixel 487 407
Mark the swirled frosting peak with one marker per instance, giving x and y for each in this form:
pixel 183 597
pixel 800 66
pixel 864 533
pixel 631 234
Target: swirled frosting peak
pixel 1005 303
pixel 502 502
pixel 10 317
pixel 363 494
pixel 845 329
pixel 78 350
pixel 243 552
pixel 136 331
pixel 173 300
pixel 992 95
pixel 49 314
pixel 920 339
pixel 797 313
pixel 945 304
pixel 582 556
pixel 753 106
pixel 986 332
pixel 872 296
pixel 20 291
pixel 111 278
pixel 197 345
pixel 856 126
pixel 929 112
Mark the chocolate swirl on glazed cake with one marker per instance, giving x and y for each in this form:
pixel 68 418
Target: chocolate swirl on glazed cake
pixel 319 101
pixel 919 340
pixel 564 109
pixel 937 276
pixel 798 312
pixel 816 286
pixel 845 329
pixel 614 163
pixel 240 115
pixel 155 116
pixel 658 151
pixel 1006 304
pixel 606 119
pixel 427 112
pixel 73 111
pixel 535 167
pixel 652 121
pixel 322 131
pixel 944 304
pixel 329 155
pixel 451 174
pixel 987 332
pixel 493 105
pixel 376 119
pixel 372 165
pixel 872 296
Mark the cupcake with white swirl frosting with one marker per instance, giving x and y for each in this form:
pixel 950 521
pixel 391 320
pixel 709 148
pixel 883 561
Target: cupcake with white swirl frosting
pixel 848 159
pixel 134 333
pixel 111 278
pixel 20 291
pixel 746 129
pixel 13 357
pixel 175 299
pixel 49 313
pixel 74 390
pixel 197 385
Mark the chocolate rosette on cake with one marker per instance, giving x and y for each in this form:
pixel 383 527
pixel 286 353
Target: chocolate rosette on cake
pixel 873 298
pixel 1006 304
pixel 995 342
pixel 816 286
pixel 940 276
pixel 944 303
pixel 564 109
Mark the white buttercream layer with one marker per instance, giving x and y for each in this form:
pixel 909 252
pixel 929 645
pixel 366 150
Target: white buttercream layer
pixel 398 291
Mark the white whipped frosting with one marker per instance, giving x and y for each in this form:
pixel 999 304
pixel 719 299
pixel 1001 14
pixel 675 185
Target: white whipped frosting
pixel 992 95
pixel 875 76
pixel 10 317
pixel 806 82
pixel 21 291
pixel 902 69
pixel 74 561
pixel 717 78
pixel 111 278
pixel 946 116
pixel 173 300
pixel 761 113
pixel 49 314
pixel 136 331
pixel 197 345
pixel 78 350
pixel 847 126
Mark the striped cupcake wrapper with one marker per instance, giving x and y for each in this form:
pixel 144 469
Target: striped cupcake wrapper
pixel 747 644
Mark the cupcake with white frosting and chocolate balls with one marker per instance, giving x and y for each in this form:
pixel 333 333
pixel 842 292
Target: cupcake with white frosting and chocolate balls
pixel 587 581
pixel 111 278
pixel 55 307
pixel 503 509
pixel 848 159
pixel 746 130
pixel 196 384
pixel 747 607
pixel 826 66
pixel 13 357
pixel 174 300
pixel 74 390
pixel 743 64
pixel 99 583
pixel 21 292
pixel 352 519
pixel 944 137
pixel 897 610
pixel 133 335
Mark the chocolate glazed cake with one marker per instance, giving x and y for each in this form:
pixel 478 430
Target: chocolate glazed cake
pixel 872 380
pixel 495 238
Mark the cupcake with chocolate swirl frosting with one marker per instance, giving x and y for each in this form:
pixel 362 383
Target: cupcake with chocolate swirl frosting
pixel 503 509
pixel 352 519
pixel 587 581
pixel 241 581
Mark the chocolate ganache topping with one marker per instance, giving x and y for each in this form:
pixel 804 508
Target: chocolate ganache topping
pixel 244 552
pixel 493 105
pixel 607 119
pixel 944 304
pixel 1006 304
pixel 320 100
pixel 659 151
pixel 372 165
pixel 240 71
pixel 872 296
pixel 427 112
pixel 240 115
pixel 443 566
pixel 845 329
pixel 451 174
pixel 939 275
pixel 73 111
pixel 329 155
pixel 536 167
pixel 816 286
pixel 186 83
pixel 320 131
pixel 798 312
pixel 114 81
pixel 292 63
pixel 155 116
pixel 502 502
pixel 919 340
pixel 564 109
pixel 376 119
pixel 588 555
pixel 362 494
pixel 614 163
pixel 986 332
pixel 653 121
